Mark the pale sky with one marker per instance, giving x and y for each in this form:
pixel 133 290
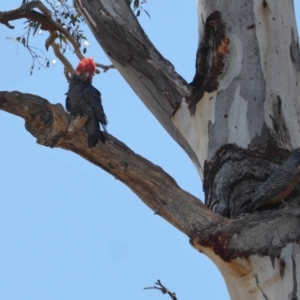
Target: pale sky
pixel 68 229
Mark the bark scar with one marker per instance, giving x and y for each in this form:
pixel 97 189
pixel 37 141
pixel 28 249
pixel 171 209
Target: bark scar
pixel 209 59
pixel 293 295
pixel 294 51
pixel 282 265
pixel 257 283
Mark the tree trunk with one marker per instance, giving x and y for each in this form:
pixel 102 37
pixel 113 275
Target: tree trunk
pixel 238 121
pixel 252 124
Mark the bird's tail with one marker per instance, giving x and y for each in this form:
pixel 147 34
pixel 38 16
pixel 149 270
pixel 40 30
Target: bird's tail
pixel 94 133
pixel 101 136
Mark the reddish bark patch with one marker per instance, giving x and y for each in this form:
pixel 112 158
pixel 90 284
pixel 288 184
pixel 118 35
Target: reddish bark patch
pixel 209 59
pixel 252 234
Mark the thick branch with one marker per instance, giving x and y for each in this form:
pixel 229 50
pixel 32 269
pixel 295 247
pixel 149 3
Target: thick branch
pixel 229 239
pixel 150 75
pixel 49 124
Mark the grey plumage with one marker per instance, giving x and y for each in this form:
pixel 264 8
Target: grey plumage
pixel 278 186
pixel 85 100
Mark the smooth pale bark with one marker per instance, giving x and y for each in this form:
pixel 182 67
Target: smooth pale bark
pixel 256 108
pixel 262 277
pixel 151 76
pixel 229 239
pixel 240 130
pixel 237 121
pixel 258 90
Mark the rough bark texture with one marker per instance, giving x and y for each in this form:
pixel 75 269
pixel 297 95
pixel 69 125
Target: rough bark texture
pixel 49 123
pixel 251 125
pixel 209 60
pixel 235 239
pixel 244 122
pixel 256 112
pixel 233 120
pixel 151 76
pixel 238 120
pixel 234 174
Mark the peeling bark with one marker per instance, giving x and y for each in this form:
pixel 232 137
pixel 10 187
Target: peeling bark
pixel 240 239
pixel 228 240
pixel 255 122
pixel 235 174
pixel 49 123
pixel 151 76
pixel 245 123
pixel 209 59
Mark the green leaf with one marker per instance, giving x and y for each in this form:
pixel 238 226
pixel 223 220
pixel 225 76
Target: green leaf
pixel 48 64
pixel 24 42
pixel 84 50
pixel 138 13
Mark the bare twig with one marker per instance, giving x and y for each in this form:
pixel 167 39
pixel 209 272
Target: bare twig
pixel 163 289
pixel 44 17
pixel 104 67
pixel 68 67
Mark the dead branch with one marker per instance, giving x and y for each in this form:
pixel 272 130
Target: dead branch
pixel 44 17
pixel 68 70
pixel 163 289
pixel 104 67
pixel 49 123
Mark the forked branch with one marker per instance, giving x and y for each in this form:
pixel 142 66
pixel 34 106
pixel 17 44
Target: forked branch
pixel 49 124
pixel 159 286
pixel 44 18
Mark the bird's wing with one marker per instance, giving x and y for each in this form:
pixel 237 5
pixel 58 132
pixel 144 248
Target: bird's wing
pixel 68 106
pixel 274 190
pixel 276 187
pixel 73 91
pixel 93 98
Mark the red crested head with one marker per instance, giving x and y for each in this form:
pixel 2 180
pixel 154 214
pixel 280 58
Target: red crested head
pixel 86 66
